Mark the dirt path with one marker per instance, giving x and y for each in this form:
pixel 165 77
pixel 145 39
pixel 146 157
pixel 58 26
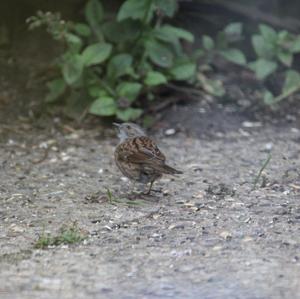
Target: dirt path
pixel 206 235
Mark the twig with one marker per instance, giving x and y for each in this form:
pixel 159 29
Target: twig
pixel 43 158
pixel 165 103
pixel 260 171
pixel 187 90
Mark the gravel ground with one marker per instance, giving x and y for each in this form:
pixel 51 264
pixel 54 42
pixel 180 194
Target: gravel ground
pixel 205 234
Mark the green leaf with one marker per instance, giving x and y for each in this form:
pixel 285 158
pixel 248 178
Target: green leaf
pixel 96 91
pixel 129 90
pixel 285 57
pixel 82 29
pixel 283 36
pixel 184 71
pixel 208 42
pixel 235 28
pixel 96 53
pixel 268 33
pixel 74 42
pixel 129 114
pixel 262 48
pixel 155 78
pixel 103 106
pixel 159 54
pixel 222 41
pixel 295 48
pixel 94 15
pixel 166 7
pixel 268 98
pixel 119 65
pixel 235 56
pixel 292 81
pixel 56 88
pixel 214 87
pixel 263 68
pixel 123 31
pixel 94 12
pixel 72 69
pixel 76 101
pixel 136 9
pixel 171 33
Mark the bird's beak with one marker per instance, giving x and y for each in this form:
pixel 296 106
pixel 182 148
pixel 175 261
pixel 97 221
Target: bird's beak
pixel 116 125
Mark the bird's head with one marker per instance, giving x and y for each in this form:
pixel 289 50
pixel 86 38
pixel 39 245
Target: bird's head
pixel 129 130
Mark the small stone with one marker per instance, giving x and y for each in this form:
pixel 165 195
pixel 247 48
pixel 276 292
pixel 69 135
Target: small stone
pixel 226 235
pixel 108 228
pixel 249 124
pixel 199 195
pixel 170 132
pixel 65 157
pixel 16 228
pixel 217 248
pixel 176 226
pixel 244 133
pixel 247 220
pixel 247 239
pixel 156 216
pixel 166 192
pixel 268 146
pixel 290 117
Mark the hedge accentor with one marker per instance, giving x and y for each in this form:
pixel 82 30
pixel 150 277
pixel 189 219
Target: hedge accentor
pixel 138 157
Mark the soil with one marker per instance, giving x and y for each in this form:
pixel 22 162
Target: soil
pixel 210 233
pixel 205 234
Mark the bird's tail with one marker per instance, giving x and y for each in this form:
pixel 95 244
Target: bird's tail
pixel 170 170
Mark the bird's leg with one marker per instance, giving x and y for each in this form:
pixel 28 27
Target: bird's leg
pixel 150 187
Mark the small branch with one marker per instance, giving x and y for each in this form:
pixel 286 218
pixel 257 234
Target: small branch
pixel 164 103
pixel 187 90
pixel 44 156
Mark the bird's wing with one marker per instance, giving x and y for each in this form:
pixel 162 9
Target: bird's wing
pixel 141 150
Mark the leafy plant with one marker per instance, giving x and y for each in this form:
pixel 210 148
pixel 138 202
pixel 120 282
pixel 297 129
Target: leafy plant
pixel 222 45
pixel 273 49
pixel 109 64
pixel 276 49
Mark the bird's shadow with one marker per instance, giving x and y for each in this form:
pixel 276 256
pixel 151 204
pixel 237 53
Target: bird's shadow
pixel 151 197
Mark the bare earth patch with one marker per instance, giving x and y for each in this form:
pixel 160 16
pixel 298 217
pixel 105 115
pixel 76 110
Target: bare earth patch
pixel 206 234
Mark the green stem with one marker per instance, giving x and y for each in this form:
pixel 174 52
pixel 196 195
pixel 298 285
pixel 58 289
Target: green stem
pixel 260 171
pixel 286 94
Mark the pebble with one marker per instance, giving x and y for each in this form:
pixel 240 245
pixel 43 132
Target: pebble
pixel 170 132
pixel 295 130
pixel 166 192
pixel 249 124
pixel 268 146
pixel 176 226
pixel 226 235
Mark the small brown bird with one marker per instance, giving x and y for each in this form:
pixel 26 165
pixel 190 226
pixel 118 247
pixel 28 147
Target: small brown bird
pixel 138 157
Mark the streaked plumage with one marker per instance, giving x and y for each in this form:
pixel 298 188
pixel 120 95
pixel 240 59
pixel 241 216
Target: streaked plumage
pixel 138 157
